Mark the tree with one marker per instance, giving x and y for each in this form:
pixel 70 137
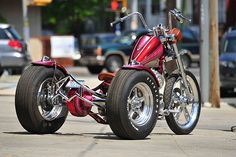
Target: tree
pixel 67 16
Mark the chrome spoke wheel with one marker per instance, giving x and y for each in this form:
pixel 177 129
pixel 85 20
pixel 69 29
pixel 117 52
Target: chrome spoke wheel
pixel 140 104
pixel 184 103
pixel 49 107
pixel 187 107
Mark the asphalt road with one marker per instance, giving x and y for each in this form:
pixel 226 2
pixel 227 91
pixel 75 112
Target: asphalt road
pixel 83 137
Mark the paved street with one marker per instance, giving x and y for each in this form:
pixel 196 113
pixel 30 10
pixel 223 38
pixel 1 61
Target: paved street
pixel 83 137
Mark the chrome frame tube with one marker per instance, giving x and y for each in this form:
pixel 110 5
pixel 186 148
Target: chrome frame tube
pixel 170 20
pixel 88 89
pixel 63 81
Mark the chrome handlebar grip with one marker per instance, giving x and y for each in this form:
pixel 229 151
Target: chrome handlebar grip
pixel 178 16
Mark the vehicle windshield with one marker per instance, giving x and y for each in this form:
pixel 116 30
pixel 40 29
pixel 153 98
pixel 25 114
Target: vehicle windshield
pixel 106 39
pixel 230 45
pixel 126 38
pixel 93 40
pixel 14 33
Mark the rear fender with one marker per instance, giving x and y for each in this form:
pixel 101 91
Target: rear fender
pixel 51 64
pixel 140 68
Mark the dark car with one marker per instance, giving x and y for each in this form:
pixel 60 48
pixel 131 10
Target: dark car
pixel 13 50
pixel 190 43
pixel 228 61
pixel 111 54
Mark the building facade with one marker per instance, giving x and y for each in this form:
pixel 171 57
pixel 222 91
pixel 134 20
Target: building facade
pixel 11 12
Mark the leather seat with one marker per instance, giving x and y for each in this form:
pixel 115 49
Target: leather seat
pixel 105 76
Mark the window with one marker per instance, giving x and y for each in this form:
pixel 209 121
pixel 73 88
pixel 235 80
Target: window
pixel 230 45
pixel 14 33
pixel 3 35
pixel 126 38
pixel 155 6
pixel 188 36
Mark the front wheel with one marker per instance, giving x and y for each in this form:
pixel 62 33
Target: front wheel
pixel 133 99
pixel 185 110
pixel 36 109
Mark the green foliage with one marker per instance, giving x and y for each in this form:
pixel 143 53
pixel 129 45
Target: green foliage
pixel 66 16
pixel 2 19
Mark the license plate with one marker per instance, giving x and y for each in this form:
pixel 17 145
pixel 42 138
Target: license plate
pixel 73 84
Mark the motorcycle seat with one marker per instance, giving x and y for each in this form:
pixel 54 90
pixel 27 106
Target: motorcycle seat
pixel 106 76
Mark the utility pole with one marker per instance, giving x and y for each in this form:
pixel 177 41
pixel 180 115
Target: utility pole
pixel 134 20
pixel 148 11
pixel 204 51
pixel 26 30
pixel 214 51
pixel 170 4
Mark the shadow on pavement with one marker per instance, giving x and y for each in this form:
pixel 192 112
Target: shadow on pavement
pixel 163 134
pixel 108 135
pixel 233 105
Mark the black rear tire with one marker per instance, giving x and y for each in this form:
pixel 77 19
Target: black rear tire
pixel 27 101
pixel 172 91
pixel 95 69
pixel 128 117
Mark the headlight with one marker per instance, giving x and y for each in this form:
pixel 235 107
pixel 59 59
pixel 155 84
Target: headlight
pixel 76 55
pixel 223 63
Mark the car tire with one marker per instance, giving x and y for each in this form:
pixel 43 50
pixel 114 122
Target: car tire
pixel 1 72
pixel 113 63
pixel 95 69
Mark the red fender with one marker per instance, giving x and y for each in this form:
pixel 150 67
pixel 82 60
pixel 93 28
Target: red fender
pixel 51 64
pixel 141 67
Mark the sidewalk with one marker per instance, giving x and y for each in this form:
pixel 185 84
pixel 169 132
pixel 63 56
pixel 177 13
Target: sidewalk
pixel 8 85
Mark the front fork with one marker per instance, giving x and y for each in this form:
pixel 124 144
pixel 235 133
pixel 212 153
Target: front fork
pixel 182 70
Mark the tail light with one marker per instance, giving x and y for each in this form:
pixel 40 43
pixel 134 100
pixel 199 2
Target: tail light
pixel 15 45
pixel 98 51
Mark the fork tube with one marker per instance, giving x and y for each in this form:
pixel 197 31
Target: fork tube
pixel 181 67
pixel 170 20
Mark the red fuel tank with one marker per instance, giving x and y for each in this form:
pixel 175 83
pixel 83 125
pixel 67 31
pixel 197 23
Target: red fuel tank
pixel 147 50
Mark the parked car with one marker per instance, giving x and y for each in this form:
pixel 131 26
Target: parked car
pixel 228 62
pixel 190 42
pixel 111 54
pixel 13 50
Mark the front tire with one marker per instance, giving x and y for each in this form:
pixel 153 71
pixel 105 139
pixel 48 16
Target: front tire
pixel 185 120
pixel 36 111
pixel 133 99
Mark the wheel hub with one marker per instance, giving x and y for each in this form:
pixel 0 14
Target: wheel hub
pixel 49 108
pixel 140 104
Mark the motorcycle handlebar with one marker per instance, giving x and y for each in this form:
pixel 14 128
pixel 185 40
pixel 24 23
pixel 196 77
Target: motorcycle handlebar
pixel 127 16
pixel 115 22
pixel 178 16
